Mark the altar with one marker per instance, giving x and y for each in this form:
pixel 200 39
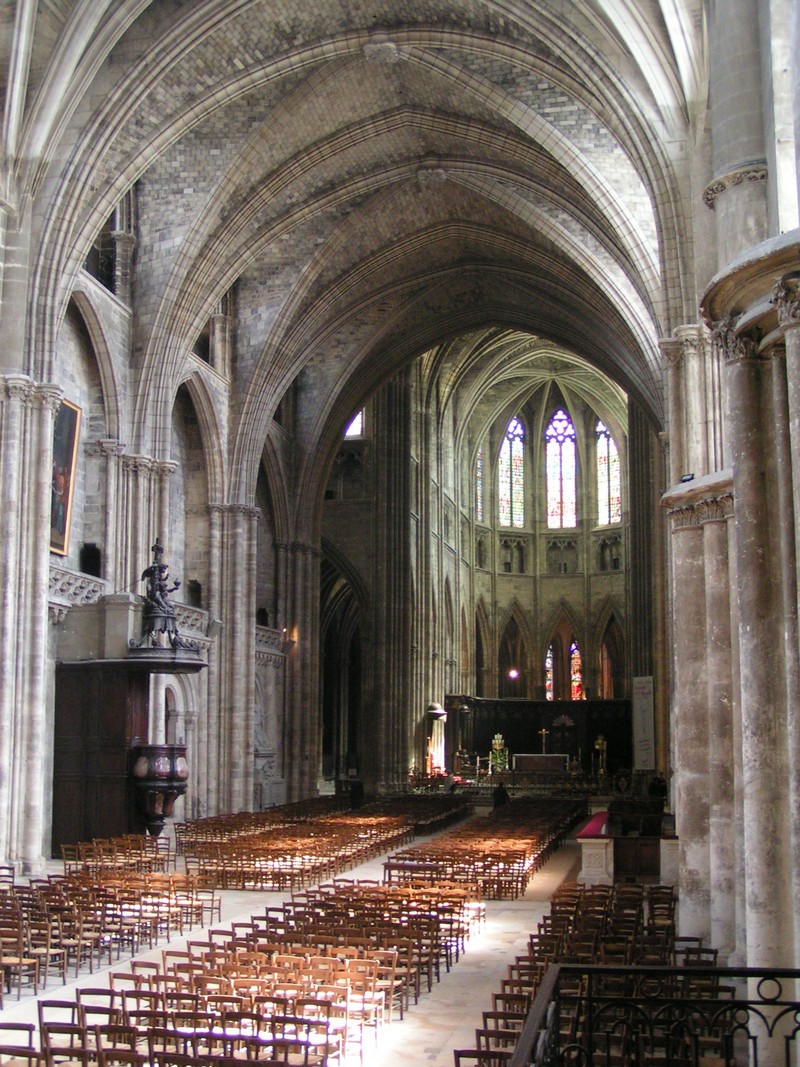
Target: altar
pixel 541 762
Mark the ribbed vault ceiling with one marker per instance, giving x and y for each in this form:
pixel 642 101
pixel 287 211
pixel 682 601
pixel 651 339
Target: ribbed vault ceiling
pixel 372 183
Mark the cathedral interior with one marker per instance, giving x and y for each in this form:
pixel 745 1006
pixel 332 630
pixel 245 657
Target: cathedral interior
pixel 446 351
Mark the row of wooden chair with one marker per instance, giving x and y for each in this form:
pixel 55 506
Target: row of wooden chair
pixel 500 853
pixel 128 853
pixel 307 1039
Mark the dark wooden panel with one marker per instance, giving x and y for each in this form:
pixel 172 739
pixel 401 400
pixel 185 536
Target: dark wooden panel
pixel 637 857
pixel 100 712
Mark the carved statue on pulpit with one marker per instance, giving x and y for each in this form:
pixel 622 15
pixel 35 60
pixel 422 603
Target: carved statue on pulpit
pixel 159 614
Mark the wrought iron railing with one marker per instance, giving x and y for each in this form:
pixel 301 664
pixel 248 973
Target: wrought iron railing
pixel 692 1016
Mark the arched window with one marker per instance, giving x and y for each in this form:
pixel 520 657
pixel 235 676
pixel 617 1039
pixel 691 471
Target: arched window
pixel 548 675
pixel 609 494
pixel 561 471
pixel 511 476
pixel 356 426
pixel 575 672
pixel 479 485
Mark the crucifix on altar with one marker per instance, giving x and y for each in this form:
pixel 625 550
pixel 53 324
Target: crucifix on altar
pixel 543 734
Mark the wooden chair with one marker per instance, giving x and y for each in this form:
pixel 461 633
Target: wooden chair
pixel 58 1012
pixel 16 1035
pixel 481 1057
pixel 67 1043
pixel 40 946
pixel 22 1057
pixel 120 1057
pixel 15 962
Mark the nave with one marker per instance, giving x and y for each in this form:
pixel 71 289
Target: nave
pixel 445 1018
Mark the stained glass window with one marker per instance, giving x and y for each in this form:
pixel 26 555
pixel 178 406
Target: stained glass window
pixel 548 675
pixel 561 471
pixel 609 495
pixel 575 672
pixel 356 427
pixel 479 485
pixel 511 476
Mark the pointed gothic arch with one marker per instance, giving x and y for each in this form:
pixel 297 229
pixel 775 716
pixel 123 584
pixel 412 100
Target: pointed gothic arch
pixel 611 661
pixel 513 653
pixel 483 682
pixel 343 606
pixel 558 656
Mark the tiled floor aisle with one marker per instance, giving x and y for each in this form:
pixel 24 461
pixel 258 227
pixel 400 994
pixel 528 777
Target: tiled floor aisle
pixel 445 1018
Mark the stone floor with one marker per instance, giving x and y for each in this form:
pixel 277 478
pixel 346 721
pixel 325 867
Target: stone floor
pixel 445 1018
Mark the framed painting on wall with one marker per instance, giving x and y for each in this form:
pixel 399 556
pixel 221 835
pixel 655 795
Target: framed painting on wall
pixel 66 432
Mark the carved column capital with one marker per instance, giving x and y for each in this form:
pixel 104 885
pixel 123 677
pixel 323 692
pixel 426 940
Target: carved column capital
pixel 164 467
pixel 108 447
pixel 696 514
pixel 18 387
pixel 786 299
pixel 672 352
pixel 137 464
pixel 48 396
pixel 733 347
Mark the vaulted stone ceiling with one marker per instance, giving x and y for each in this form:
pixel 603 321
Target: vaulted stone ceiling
pixel 373 182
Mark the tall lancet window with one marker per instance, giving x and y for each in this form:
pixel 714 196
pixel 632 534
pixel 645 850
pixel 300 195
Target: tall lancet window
pixel 576 673
pixel 609 485
pixel 511 476
pixel 549 686
pixel 479 485
pixel 561 471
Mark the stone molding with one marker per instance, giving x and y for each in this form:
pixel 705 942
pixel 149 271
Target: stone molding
pixel 235 509
pixel 431 175
pixel 385 53
pixel 746 175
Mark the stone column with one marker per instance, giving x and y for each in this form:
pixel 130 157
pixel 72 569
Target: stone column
pixel 112 450
pixel 15 395
pixel 220 337
pixel 715 515
pixel 136 521
pixel 124 237
pixel 690 723
pixel 761 661
pixel 395 701
pixel 786 298
pixel 162 471
pixel 30 727
pixel 207 732
pixel 738 193
pixel 237 688
pixel 303 739
pixel 696 409
pixel 673 355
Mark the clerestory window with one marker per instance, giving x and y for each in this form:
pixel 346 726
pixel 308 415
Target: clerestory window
pixel 511 476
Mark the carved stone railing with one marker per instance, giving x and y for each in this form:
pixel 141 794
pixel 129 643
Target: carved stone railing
pixel 70 588
pixel 270 643
pixel 191 620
